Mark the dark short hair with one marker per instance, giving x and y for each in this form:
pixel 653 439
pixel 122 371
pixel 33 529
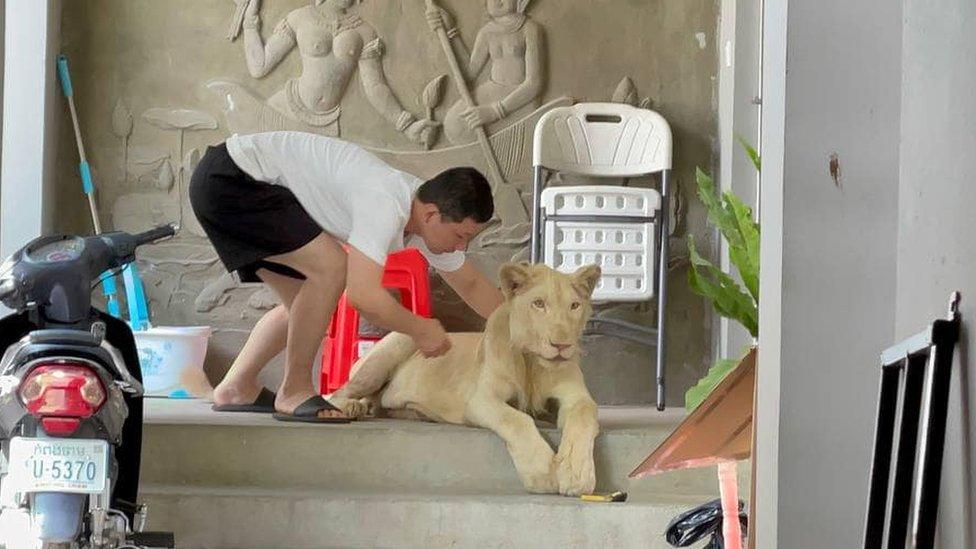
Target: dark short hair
pixel 459 194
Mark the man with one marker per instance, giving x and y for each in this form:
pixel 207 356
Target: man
pixel 278 206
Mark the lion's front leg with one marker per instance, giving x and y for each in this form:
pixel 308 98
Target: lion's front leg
pixel 574 461
pixel 531 454
pixel 371 373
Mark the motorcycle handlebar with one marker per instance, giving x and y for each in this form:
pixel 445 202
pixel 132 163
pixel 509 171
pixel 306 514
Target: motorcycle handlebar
pixel 35 278
pixel 159 233
pixel 122 246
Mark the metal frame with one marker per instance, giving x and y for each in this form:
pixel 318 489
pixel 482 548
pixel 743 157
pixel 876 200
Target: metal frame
pixel 539 217
pixel 915 377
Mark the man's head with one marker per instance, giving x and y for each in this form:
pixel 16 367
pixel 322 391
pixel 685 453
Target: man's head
pixel 452 208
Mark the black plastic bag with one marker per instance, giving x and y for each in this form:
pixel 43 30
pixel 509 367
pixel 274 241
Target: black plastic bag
pixel 704 520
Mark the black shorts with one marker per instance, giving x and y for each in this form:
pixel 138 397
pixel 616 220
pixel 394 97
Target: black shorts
pixel 247 220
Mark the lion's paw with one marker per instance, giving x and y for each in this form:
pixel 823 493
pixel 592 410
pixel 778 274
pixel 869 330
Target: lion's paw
pixel 542 483
pixel 538 474
pixel 352 408
pixel 575 471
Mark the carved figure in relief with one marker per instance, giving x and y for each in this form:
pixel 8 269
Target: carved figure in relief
pixel 333 42
pixel 511 47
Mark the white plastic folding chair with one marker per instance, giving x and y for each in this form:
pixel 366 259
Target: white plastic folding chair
pixel 622 229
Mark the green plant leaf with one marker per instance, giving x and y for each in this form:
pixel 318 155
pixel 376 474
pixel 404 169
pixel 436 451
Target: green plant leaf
pixel 751 151
pixel 697 394
pixel 745 254
pixel 734 220
pixel 720 215
pixel 725 294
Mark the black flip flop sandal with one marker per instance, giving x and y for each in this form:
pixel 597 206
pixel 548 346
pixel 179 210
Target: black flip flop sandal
pixel 308 412
pixel 263 404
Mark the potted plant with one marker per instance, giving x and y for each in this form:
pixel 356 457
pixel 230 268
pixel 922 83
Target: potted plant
pixel 741 233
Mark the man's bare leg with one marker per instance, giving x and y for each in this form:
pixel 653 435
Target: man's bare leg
pixel 240 385
pixel 323 262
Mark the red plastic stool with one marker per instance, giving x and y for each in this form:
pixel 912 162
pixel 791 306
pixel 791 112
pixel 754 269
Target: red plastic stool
pixel 405 271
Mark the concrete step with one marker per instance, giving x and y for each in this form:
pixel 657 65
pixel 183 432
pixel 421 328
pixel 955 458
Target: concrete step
pixel 186 445
pixel 212 517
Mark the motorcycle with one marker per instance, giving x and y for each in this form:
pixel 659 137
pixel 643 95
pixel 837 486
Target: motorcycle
pixel 70 399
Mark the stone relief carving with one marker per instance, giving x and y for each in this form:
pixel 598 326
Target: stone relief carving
pixel 264 299
pixel 237 20
pixel 626 92
pixel 139 211
pixel 165 178
pixel 215 293
pixel 122 128
pixel 508 205
pixel 182 121
pixel 512 145
pixel 510 46
pixel 333 41
pixel 144 165
pixel 432 97
pixel 191 160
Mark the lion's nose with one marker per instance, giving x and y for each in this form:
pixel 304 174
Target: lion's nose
pixel 560 346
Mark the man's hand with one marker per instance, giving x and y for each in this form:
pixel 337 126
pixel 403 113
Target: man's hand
pixel 365 291
pixel 431 339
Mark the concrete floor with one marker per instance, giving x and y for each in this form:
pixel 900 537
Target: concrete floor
pixel 163 411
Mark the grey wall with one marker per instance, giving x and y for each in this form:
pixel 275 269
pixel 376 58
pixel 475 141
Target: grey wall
pixel 839 244
pixel 874 259
pixel 936 248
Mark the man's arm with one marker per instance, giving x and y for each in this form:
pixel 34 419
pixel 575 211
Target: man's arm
pixel 474 288
pixel 364 288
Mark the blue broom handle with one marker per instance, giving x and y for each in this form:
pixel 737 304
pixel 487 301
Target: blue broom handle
pixel 87 183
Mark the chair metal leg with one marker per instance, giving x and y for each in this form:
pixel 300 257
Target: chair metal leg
pixel 662 287
pixel 536 243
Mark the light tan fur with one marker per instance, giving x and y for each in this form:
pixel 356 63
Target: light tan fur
pixel 502 378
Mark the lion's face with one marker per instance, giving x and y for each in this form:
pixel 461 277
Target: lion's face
pixel 548 309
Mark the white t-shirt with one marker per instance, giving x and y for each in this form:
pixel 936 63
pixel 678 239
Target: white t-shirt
pixel 353 195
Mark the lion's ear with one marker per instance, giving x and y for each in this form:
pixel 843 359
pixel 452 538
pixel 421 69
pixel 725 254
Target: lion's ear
pixel 586 278
pixel 513 277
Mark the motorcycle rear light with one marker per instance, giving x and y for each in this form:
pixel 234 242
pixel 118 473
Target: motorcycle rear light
pixel 63 426
pixel 62 389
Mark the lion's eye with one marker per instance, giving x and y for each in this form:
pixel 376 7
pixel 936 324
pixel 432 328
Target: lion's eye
pixel 575 305
pixel 539 304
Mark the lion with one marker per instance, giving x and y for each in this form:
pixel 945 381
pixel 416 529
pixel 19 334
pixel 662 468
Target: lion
pixel 527 359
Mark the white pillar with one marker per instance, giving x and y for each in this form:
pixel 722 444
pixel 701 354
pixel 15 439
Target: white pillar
pixel 764 525
pixel 30 121
pixel 740 49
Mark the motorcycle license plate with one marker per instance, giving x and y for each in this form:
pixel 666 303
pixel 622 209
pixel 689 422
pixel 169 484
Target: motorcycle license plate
pixel 58 465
